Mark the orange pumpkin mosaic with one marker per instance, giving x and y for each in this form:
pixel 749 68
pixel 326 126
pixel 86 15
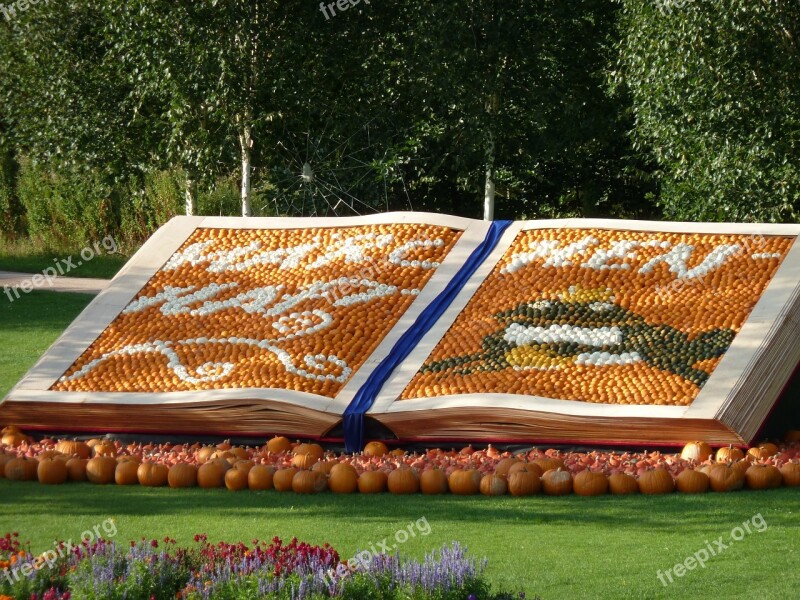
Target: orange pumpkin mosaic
pixel 602 316
pixel 294 309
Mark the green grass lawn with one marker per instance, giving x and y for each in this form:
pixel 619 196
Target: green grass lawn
pixel 609 547
pixel 570 547
pixel 28 326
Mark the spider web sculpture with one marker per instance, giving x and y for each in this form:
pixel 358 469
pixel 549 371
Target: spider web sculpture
pixel 319 171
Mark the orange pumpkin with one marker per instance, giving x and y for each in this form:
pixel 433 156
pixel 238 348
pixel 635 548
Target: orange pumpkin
pixel 74 448
pixel 656 481
pixel 343 479
pixel 211 474
pixel 125 473
pixel 433 481
pixel 691 481
pixel 464 482
pixel 493 485
pixel 308 482
pixel 557 482
pixel 622 484
pixel 525 481
pixel 152 474
pixel 372 482
pixel 375 449
pixel 403 480
pixel 235 479
pixel 279 444
pixel 763 477
pixel 182 475
pixel 101 469
pixel 51 471
pixel 589 483
pixel 282 480
pixel 260 477
pixel 725 478
pixel 696 451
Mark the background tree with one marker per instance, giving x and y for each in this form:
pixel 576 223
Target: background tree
pixel 716 99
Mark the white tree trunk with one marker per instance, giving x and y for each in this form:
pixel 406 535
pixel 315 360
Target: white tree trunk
pixel 246 142
pixel 488 190
pixel 190 195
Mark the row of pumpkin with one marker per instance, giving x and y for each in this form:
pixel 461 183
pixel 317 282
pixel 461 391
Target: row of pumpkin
pixel 519 479
pixel 307 468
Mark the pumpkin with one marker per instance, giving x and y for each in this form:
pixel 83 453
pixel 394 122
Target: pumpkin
pixel 343 479
pixel 372 482
pixel 790 472
pixel 211 474
pixel 279 444
pixel 656 481
pixel 101 469
pixel 204 454
pixel 235 479
pixel 74 448
pixel 525 481
pixel 622 484
pixel 742 465
pixel 260 477
pixel 93 442
pixel 48 454
pixel 312 449
pixel 304 461
pixel 308 482
pixel 557 482
pixel 504 466
pixel 324 466
pixel 14 438
pixel 375 449
pixel 125 473
pixel 51 471
pixel 589 483
pixel 152 474
pixel 76 469
pixel 763 477
pixel 493 485
pixel 725 478
pixel 763 451
pixel 464 482
pixel 525 466
pixel 104 448
pixel 240 453
pixel 243 465
pixel 547 464
pixel 691 481
pixel 398 452
pixel 282 480
pixel 697 451
pixel 403 480
pixel 432 482
pixel 729 454
pixel 4 458
pixel 182 475
pixel 26 469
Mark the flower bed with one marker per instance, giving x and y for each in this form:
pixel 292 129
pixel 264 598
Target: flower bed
pixel 160 570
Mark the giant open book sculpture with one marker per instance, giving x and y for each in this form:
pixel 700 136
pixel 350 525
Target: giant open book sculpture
pixel 439 328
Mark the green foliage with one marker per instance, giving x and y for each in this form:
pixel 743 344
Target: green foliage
pixel 716 99
pixel 66 208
